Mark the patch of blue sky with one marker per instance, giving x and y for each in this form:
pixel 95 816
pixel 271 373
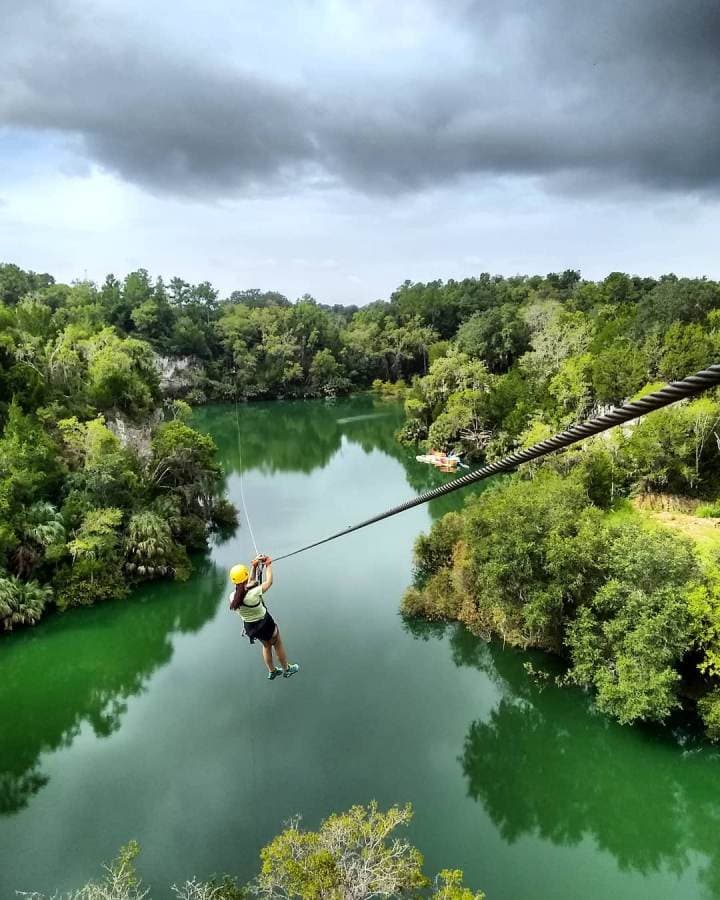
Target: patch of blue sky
pixel 26 153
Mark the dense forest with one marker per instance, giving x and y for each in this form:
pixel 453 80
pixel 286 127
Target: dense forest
pixel 606 554
pixel 103 483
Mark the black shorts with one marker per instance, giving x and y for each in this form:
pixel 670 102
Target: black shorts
pixel 263 630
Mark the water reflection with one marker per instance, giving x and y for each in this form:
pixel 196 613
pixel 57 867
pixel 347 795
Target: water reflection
pixel 302 436
pixel 83 667
pixel 543 763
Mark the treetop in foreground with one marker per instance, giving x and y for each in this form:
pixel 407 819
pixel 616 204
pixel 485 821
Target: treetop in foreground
pixel 354 855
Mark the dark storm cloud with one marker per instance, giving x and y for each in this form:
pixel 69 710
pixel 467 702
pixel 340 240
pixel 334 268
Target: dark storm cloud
pixel 584 92
pixel 160 121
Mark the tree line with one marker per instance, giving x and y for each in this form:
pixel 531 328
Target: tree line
pixel 250 345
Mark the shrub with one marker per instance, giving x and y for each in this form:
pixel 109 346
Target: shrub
pixel 390 390
pixel 709 709
pixel 709 510
pixel 21 602
pixel 435 550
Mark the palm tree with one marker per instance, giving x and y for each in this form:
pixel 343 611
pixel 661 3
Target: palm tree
pixel 41 528
pixel 21 602
pixel 149 544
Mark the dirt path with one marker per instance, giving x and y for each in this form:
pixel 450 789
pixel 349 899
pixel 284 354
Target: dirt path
pixel 705 532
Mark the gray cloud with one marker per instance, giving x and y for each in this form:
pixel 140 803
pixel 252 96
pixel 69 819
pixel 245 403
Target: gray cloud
pixel 575 93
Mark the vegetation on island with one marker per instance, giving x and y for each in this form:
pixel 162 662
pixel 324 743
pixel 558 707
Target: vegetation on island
pixel 352 856
pixel 555 557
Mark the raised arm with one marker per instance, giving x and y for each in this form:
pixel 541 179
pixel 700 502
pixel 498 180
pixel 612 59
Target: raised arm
pixel 254 569
pixel 267 584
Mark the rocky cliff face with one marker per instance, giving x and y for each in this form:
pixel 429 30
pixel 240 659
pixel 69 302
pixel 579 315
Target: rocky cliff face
pixel 655 502
pixel 178 374
pixel 133 435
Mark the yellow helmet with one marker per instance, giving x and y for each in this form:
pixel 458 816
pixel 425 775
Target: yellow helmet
pixel 239 573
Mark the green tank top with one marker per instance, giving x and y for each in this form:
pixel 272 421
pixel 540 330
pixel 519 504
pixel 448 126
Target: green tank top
pixel 253 608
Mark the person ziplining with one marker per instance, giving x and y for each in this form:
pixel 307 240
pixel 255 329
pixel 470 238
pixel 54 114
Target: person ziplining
pixel 247 598
pixel 259 625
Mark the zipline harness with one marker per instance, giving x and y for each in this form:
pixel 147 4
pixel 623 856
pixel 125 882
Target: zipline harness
pixel 671 393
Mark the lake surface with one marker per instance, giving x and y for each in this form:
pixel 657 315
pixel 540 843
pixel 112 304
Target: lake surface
pixel 152 719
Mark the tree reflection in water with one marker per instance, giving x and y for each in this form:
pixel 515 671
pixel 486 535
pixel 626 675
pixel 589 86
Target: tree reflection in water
pixel 82 667
pixel 96 660
pixel 544 763
pixel 301 436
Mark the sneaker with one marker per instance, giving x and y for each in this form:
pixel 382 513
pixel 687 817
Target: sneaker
pixel 273 675
pixel 291 670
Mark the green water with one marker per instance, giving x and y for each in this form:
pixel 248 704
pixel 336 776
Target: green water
pixel 151 718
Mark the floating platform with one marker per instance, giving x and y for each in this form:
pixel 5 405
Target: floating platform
pixel 446 462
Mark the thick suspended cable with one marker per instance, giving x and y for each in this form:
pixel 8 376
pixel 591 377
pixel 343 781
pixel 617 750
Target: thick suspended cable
pixel 671 393
pixel 242 489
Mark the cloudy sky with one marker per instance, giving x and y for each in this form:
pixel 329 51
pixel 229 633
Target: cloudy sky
pixel 339 147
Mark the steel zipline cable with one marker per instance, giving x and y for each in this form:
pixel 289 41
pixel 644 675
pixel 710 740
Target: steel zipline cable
pixel 242 488
pixel 671 393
